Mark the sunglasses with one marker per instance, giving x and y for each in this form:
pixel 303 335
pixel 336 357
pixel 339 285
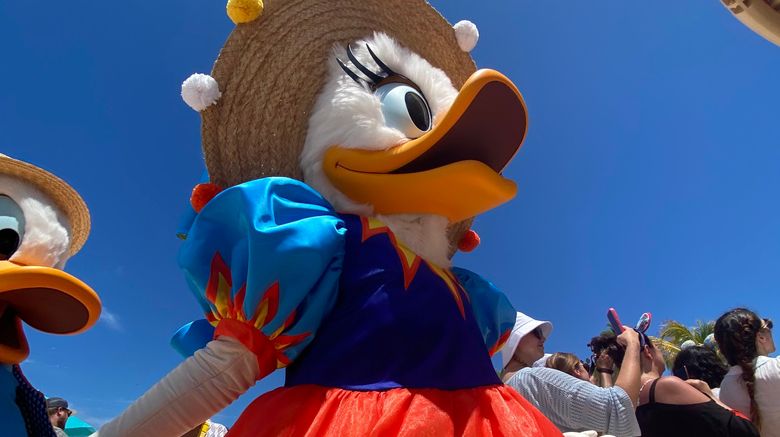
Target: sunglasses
pixel 65 410
pixel 767 324
pixel 538 333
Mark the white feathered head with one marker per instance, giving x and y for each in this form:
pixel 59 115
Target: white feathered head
pixel 43 221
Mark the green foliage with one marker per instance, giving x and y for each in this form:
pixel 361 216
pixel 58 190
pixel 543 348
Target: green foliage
pixel 673 333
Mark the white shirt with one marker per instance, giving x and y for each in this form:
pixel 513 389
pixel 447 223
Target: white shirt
pixel 767 393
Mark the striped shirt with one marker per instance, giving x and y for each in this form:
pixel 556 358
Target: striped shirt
pixel 576 405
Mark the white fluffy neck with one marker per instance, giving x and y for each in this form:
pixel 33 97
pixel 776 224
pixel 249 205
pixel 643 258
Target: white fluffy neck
pixel 425 235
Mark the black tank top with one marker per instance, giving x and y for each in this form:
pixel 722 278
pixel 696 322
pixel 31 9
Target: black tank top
pixel 704 419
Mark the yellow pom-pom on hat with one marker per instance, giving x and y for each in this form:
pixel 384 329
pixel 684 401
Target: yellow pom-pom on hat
pixel 244 11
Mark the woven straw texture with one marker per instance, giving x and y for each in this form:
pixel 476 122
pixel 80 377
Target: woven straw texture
pixel 271 70
pixel 66 198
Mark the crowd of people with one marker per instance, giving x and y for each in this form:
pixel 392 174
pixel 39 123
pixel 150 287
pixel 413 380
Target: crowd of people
pixel 727 387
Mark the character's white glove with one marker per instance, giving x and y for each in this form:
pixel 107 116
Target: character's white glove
pixel 200 387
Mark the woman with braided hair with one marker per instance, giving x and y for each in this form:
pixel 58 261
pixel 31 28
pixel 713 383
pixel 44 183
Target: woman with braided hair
pixel 752 384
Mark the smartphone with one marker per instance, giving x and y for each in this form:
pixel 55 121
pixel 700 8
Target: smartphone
pixel 614 320
pixel 618 327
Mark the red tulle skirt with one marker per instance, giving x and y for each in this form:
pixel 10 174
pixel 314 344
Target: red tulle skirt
pixel 311 410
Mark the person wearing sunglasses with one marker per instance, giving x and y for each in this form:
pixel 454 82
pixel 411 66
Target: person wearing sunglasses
pixel 58 415
pixel 525 344
pixel 752 384
pixel 571 403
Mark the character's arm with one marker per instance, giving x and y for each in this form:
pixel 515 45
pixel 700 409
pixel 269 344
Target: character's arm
pixel 495 315
pixel 198 388
pixel 263 260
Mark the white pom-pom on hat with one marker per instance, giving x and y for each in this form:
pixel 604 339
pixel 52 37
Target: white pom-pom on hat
pixel 467 35
pixel 687 344
pixel 200 91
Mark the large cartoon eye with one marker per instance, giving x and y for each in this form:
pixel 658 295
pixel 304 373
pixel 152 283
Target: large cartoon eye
pixel 11 227
pixel 404 108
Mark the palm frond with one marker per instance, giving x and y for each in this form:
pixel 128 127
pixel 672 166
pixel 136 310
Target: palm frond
pixel 668 349
pixel 675 332
pixel 672 334
pixel 702 330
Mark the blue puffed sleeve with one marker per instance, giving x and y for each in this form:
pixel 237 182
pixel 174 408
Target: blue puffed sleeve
pixel 492 310
pixel 192 336
pixel 263 259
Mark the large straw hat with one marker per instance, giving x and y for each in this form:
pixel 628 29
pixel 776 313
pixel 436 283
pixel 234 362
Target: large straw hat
pixel 271 70
pixel 66 198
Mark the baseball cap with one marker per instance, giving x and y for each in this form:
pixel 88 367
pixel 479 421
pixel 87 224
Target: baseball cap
pixel 55 402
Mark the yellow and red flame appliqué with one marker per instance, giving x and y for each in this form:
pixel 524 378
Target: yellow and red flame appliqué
pixel 410 261
pixel 226 306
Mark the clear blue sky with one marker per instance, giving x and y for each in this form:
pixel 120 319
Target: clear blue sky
pixel 648 181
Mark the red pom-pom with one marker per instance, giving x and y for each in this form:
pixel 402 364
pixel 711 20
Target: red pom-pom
pixel 469 241
pixel 202 194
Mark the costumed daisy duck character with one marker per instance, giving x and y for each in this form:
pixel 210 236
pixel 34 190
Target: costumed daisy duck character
pixel 354 140
pixel 43 222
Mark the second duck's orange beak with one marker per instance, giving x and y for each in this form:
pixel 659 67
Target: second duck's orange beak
pixel 47 299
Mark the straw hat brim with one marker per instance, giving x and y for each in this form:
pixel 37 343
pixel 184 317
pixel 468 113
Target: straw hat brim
pixel 63 195
pixel 271 70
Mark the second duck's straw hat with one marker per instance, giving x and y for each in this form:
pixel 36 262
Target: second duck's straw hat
pixel 63 195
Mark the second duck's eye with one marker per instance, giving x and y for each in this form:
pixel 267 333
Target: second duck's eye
pixel 9 242
pixel 11 227
pixel 405 109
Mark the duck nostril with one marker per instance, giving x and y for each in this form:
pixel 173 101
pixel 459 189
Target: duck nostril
pixel 9 242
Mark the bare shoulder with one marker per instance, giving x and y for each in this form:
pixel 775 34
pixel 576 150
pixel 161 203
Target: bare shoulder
pixel 673 390
pixel 672 383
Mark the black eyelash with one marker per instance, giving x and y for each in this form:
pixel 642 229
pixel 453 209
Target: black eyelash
pixel 379 62
pixel 349 72
pixel 373 78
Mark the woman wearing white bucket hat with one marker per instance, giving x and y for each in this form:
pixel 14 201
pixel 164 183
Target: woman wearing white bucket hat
pixel 514 355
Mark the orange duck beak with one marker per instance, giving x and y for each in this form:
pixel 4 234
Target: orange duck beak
pixel 454 170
